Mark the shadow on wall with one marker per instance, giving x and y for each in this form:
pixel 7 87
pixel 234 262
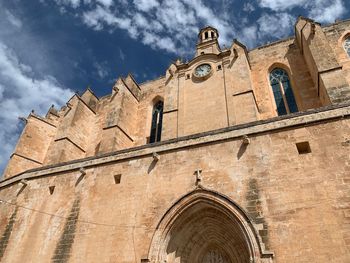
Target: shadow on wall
pixel 255 211
pixel 7 233
pixel 151 166
pixel 64 246
pixel 241 150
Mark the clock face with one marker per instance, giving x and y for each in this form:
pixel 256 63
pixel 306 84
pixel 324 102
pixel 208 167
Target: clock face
pixel 202 70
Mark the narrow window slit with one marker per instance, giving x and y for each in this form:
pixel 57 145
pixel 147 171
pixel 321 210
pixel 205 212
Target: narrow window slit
pixel 347 45
pixel 157 120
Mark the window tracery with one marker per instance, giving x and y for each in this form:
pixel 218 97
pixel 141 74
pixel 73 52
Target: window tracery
pixel 157 120
pixel 282 92
pixel 347 45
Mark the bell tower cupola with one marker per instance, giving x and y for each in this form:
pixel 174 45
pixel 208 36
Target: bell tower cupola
pixel 208 41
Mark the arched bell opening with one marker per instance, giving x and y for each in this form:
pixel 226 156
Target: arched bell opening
pixel 205 227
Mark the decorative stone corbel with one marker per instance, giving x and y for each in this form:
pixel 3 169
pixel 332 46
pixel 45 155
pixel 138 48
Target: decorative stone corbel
pixel 24 119
pixel 313 28
pixel 198 174
pixel 82 171
pixel 245 140
pixel 24 182
pixel 156 156
pixel 115 89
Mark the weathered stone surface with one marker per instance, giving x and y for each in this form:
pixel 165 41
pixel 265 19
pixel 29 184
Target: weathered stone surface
pixel 225 184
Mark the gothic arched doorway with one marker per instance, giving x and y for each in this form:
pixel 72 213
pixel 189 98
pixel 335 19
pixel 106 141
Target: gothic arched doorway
pixel 206 227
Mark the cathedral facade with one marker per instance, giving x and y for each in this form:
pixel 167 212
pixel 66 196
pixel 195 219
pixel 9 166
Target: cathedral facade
pixel 236 156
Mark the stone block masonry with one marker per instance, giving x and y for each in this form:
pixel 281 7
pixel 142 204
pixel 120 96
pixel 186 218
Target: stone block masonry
pixel 229 180
pixel 7 233
pixel 64 246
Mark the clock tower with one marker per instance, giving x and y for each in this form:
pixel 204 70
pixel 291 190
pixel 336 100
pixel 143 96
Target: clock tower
pixel 208 41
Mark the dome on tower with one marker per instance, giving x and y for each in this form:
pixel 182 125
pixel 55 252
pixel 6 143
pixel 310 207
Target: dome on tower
pixel 208 33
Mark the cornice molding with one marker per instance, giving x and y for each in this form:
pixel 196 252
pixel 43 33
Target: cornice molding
pixel 256 128
pixel 206 56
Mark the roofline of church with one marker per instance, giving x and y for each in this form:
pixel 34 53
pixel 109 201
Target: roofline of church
pixel 151 80
pixel 263 45
pixel 269 44
pixel 293 37
pixel 289 38
pixel 337 22
pixel 309 117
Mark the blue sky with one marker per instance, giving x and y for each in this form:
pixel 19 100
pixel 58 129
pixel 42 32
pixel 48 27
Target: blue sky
pixel 50 49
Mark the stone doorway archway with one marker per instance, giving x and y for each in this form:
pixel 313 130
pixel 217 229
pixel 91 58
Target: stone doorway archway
pixel 206 227
pixel 214 256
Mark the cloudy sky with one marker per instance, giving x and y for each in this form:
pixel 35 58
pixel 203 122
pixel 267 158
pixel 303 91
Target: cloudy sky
pixel 50 49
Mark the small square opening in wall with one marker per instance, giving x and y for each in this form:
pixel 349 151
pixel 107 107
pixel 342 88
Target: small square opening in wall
pixel 219 67
pixel 117 178
pixel 188 76
pixel 51 189
pixel 303 147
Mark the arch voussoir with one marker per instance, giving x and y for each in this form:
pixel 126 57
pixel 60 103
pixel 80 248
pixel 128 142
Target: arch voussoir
pixel 204 218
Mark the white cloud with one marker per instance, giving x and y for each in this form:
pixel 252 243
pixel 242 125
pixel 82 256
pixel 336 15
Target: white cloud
pixel 72 3
pixel 281 5
pixel 169 25
pixel 106 3
pixel 249 35
pixel 101 69
pixel 225 28
pixel 121 54
pixel 101 16
pixel 146 5
pixel 321 10
pixel 164 43
pixel 248 7
pixel 327 11
pixel 2 89
pixel 15 21
pixel 275 26
pixel 19 94
pixel 172 25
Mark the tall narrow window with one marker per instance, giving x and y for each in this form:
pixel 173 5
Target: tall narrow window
pixel 282 91
pixel 157 119
pixel 347 45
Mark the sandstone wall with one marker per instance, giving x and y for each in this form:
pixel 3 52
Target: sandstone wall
pixel 238 91
pixel 299 203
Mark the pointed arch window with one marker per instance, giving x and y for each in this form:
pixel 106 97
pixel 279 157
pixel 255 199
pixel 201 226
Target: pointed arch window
pixel 282 92
pixel 347 45
pixel 157 120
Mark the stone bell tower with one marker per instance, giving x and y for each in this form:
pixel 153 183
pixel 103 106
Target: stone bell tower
pixel 208 41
